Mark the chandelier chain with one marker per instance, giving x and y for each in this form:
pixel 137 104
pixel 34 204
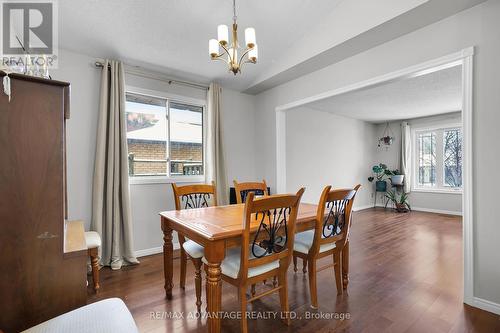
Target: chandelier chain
pixel 234 11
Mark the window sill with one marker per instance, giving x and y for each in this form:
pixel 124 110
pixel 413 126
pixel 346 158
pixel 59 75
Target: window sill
pixel 436 190
pixel 165 180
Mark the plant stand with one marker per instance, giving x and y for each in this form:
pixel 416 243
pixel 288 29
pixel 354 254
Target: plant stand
pixel 375 201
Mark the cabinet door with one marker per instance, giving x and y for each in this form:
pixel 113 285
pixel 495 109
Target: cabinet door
pixel 31 203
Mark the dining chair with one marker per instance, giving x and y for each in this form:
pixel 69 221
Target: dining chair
pixel 259 189
pixel 93 241
pixel 265 254
pixel 331 232
pixel 242 189
pixel 190 197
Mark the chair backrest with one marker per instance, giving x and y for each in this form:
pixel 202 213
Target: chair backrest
pixel 242 189
pixel 194 196
pixel 333 219
pixel 273 240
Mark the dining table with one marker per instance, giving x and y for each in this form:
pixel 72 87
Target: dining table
pixel 217 229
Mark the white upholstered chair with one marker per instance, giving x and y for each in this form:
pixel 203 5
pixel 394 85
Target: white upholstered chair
pixel 109 315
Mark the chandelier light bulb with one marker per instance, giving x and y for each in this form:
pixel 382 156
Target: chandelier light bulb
pixel 253 54
pixel 233 54
pixel 250 37
pixel 213 48
pixel 223 34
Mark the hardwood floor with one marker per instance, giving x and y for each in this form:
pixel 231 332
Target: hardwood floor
pixel 405 276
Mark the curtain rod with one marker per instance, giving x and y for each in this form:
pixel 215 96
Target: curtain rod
pixel 137 71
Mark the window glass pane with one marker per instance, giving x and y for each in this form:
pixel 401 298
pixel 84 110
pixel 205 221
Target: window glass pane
pixel 452 159
pixel 146 135
pixel 426 145
pixel 186 139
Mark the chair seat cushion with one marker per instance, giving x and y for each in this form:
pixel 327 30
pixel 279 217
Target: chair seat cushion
pixel 230 266
pixel 93 239
pixel 109 315
pixel 303 242
pixel 193 249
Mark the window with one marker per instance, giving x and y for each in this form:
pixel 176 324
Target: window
pixel 452 159
pixel 438 159
pixel 165 137
pixel 426 159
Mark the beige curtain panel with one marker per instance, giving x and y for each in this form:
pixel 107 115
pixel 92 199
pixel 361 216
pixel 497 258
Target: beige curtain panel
pixel 111 214
pixel 216 168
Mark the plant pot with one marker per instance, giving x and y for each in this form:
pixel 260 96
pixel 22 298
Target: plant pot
pixel 401 208
pixel 380 186
pixel 387 140
pixel 397 179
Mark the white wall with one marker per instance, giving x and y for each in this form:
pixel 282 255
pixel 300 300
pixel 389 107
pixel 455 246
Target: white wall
pixel 478 26
pixel 326 149
pixel 147 200
pixel 81 130
pixel 238 123
pixel 445 202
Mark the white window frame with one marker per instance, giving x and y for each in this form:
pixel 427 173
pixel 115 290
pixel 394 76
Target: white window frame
pixel 145 180
pixel 440 187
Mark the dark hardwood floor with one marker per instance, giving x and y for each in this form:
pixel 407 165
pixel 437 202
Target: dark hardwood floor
pixel 405 276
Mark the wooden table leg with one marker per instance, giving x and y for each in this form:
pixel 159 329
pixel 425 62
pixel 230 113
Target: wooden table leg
pixel 345 265
pixel 214 253
pixel 168 253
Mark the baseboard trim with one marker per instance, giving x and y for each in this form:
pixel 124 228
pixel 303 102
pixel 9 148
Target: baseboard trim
pixel 422 209
pixel 363 207
pixel 486 305
pixel 437 211
pixel 153 250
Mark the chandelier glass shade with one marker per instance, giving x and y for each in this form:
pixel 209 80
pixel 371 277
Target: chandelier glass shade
pixel 227 50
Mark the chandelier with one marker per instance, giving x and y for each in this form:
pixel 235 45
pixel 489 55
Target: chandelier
pixel 229 52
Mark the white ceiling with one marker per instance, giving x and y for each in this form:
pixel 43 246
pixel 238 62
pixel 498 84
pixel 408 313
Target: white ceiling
pixel 431 94
pixel 171 36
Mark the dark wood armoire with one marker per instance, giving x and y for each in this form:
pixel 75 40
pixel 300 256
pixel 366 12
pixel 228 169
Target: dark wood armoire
pixel 43 266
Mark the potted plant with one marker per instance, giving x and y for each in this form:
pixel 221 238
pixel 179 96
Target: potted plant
pixel 400 201
pixel 396 177
pixel 380 172
pixel 386 140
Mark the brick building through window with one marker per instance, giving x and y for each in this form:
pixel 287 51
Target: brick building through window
pixel 164 138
